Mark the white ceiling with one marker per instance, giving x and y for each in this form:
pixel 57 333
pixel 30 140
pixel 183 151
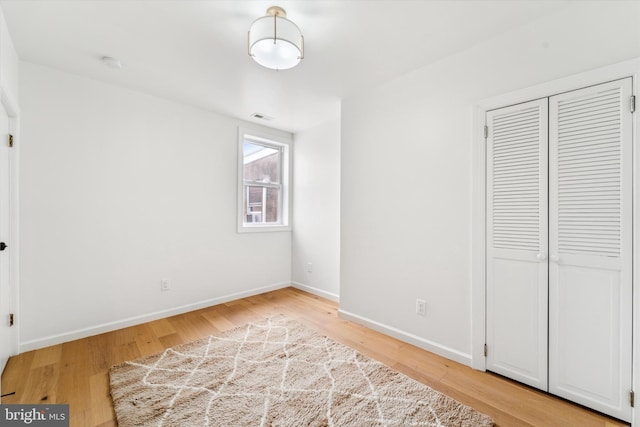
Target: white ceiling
pixel 195 52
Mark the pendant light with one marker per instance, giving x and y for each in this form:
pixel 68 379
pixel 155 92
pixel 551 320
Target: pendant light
pixel 276 42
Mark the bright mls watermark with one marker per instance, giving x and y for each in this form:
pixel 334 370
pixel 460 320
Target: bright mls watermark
pixel 34 415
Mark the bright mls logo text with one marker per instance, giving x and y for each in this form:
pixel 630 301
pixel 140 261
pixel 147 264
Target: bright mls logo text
pixel 38 415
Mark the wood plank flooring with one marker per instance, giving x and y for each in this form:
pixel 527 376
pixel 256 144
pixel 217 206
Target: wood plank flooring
pixel 77 372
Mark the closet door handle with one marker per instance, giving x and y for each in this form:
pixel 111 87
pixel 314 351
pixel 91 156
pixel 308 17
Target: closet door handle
pixel 554 258
pixel 541 257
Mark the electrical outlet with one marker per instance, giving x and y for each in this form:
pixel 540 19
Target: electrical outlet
pixel 164 285
pixel 309 267
pixel 421 307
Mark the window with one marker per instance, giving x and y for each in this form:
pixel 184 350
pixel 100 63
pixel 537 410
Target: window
pixel 263 188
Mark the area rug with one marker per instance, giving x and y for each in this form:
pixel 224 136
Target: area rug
pixel 275 372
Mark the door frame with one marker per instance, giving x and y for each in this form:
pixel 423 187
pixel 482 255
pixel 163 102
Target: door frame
pixel 10 104
pixel 629 68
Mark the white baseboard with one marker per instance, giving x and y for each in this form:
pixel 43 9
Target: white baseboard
pixel 431 346
pixel 319 292
pixel 136 320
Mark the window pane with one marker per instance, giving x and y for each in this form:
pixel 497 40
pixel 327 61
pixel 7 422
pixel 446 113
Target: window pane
pixel 261 204
pixel 261 163
pixel 272 204
pixel 253 206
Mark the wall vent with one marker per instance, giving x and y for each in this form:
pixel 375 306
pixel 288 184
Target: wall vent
pixel 261 116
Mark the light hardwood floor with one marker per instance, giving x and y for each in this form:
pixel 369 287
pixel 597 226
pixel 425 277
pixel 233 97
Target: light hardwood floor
pixel 77 372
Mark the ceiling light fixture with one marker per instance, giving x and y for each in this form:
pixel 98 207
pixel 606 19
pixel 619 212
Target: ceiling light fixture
pixel 275 42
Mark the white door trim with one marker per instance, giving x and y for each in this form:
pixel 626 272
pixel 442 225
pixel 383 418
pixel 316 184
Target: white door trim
pixel 10 105
pixel 629 68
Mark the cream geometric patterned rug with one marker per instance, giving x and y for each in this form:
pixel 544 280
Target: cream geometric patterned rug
pixel 275 373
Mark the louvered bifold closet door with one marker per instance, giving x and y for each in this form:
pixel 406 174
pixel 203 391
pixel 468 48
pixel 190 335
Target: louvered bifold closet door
pixel 517 242
pixel 590 288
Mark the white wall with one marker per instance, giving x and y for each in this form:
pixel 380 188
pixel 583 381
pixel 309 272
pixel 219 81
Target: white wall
pixel 316 212
pixel 118 191
pixel 8 62
pixel 406 169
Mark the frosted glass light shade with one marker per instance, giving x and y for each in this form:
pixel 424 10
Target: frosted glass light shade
pixel 275 42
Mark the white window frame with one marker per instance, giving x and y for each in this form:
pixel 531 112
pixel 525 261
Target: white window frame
pixel 284 144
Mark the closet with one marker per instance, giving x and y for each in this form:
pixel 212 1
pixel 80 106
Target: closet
pixel 559 245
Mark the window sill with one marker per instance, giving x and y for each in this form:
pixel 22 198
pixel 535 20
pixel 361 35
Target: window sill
pixel 262 228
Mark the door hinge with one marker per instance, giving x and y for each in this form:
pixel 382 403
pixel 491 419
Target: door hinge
pixel 11 319
pixel 10 140
pixel 485 350
pixel 632 104
pixel 632 398
pixel 486 131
